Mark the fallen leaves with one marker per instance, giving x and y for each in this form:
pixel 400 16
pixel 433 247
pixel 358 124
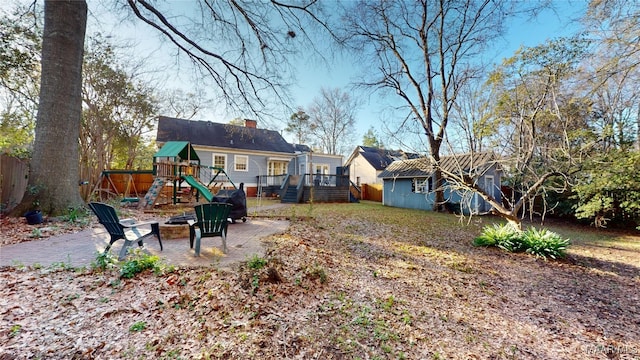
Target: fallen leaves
pixel 355 289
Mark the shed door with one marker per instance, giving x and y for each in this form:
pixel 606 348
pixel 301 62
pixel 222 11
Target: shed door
pixel 489 187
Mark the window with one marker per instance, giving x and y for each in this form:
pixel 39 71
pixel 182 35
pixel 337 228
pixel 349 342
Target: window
pixel 220 161
pixel 321 169
pixel 241 163
pixel 320 174
pixel 277 167
pixel 422 185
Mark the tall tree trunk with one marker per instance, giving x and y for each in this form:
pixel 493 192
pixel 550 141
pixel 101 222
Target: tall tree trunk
pixel 434 151
pixel 54 175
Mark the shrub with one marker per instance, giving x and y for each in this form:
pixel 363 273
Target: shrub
pixel 103 261
pixel 500 235
pixel 138 326
pixel 139 263
pixel 256 262
pixel 544 243
pixel 541 243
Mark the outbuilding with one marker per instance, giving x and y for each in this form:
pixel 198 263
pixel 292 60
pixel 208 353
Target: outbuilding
pixel 411 183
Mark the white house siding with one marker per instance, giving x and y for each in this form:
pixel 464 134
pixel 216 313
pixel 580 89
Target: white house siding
pixel 361 168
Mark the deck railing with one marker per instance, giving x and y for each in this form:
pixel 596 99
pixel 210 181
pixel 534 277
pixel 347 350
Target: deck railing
pixel 326 180
pixel 271 180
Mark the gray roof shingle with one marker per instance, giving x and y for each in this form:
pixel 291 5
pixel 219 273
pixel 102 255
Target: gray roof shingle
pixel 421 167
pixel 381 158
pixel 206 133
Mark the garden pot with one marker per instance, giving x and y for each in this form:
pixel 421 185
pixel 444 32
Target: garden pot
pixel 33 217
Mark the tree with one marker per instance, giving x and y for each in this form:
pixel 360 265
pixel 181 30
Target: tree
pixel 472 120
pixel 332 116
pixel 606 190
pixel 54 175
pixel 299 125
pixel 540 121
pixel 184 105
pixel 19 75
pixel 241 48
pixel 237 122
pixel 614 27
pixel 425 53
pixel 253 43
pixel 118 109
pixel 371 139
pixel 609 188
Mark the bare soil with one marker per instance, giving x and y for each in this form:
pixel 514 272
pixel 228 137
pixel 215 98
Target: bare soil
pixel 344 282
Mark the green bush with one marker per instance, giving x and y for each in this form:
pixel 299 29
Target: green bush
pixel 256 262
pixel 500 235
pixel 541 243
pixel 139 263
pixel 103 261
pixel 544 243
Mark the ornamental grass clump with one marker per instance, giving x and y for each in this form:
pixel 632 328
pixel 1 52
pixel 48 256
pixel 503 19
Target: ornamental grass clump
pixel 541 243
pixel 544 243
pixel 501 235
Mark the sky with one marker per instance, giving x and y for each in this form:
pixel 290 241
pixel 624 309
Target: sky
pixel 521 32
pixel 312 76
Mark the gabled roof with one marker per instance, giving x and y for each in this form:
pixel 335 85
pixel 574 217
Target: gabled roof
pixel 408 168
pixel 469 163
pixel 206 133
pixel 379 159
pixel 180 149
pixel 301 148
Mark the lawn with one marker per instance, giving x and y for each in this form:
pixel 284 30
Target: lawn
pixel 346 281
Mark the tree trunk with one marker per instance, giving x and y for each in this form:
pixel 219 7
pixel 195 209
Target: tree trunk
pixel 434 150
pixel 54 175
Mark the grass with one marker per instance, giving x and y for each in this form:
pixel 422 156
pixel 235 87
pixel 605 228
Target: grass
pixel 373 282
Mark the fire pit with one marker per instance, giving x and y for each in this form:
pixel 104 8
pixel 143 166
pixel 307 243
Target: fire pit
pixel 176 227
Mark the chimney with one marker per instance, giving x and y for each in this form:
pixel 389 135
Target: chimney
pixel 250 123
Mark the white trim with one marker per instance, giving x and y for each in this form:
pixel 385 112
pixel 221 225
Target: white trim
pixel 219 149
pixel 236 162
pixel 278 159
pixel 213 160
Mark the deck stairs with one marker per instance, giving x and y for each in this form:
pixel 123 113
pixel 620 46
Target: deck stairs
pixel 290 196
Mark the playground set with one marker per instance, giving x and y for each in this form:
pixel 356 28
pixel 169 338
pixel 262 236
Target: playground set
pixel 174 165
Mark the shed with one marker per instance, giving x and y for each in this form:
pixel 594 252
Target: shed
pixel 410 183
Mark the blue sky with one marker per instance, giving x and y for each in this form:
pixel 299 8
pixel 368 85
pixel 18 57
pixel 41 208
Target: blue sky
pixel 312 75
pixel 521 32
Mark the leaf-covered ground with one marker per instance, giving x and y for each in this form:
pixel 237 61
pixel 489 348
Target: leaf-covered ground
pixel 348 281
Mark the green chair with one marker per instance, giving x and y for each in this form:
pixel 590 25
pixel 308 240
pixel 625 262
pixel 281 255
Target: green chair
pixel 117 228
pixel 211 220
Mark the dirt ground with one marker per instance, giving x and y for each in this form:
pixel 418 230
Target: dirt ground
pixel 339 284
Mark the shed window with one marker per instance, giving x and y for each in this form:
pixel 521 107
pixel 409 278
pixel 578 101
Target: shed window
pixel 241 163
pixel 422 185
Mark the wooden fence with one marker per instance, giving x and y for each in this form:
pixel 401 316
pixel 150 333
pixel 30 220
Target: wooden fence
pixel 14 175
pixel 372 192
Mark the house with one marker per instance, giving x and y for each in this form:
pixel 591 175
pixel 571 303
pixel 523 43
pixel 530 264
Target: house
pixel 410 183
pixel 259 158
pixel 365 164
